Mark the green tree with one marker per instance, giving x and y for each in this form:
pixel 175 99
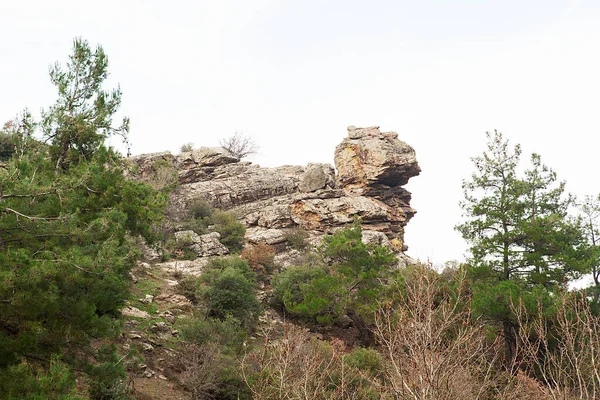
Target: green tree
pixel 590 209
pixel 350 281
pixel 68 241
pixel 520 231
pixel 81 119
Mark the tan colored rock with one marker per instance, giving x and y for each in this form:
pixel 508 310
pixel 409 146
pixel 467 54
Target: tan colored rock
pixel 375 237
pixel 372 167
pixel 368 156
pixel 322 214
pixel 186 267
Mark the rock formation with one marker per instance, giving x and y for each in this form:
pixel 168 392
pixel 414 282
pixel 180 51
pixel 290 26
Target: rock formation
pixel 371 168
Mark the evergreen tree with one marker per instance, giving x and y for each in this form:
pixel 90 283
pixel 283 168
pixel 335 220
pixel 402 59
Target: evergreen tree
pixel 68 241
pixel 590 209
pixel 521 235
pixel 81 119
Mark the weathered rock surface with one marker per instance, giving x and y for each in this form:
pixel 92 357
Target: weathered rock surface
pixel 371 167
pixel 317 176
pixel 187 267
pixel 261 235
pixel 368 157
pixel 134 312
pixel 204 245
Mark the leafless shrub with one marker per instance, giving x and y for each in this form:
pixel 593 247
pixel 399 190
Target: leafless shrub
pixel 187 147
pixel 435 349
pixel 239 145
pixel 565 354
pixel 299 366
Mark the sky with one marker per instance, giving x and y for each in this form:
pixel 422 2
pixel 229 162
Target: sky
pixel 294 74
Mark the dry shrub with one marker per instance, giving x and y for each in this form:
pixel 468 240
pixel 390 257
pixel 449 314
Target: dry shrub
pixel 260 257
pixel 563 353
pixel 208 373
pixel 434 347
pixel 300 366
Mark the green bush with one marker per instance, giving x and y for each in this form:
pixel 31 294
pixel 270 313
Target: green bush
pixel 297 238
pixel 367 360
pixel 227 290
pixel 201 208
pixel 189 287
pixel 180 249
pixel 309 293
pixel 7 147
pixel 21 382
pixel 229 333
pixel 231 230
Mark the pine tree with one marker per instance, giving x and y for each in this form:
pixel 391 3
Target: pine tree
pixel 81 119
pixel 67 244
pixel 522 238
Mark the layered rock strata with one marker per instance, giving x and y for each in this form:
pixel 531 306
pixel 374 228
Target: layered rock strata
pixel 371 169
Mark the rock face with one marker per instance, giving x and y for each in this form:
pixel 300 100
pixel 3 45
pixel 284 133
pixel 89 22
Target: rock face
pixel 204 245
pixel 368 157
pixel 371 168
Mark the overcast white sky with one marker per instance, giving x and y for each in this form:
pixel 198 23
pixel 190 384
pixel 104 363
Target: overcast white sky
pixel 295 74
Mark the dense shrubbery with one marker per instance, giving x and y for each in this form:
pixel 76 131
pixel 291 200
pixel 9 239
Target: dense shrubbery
pixel 232 232
pixel 227 311
pixel 348 282
pixel 68 218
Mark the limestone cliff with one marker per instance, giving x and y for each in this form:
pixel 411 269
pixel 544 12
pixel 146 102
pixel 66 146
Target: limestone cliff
pixel 371 169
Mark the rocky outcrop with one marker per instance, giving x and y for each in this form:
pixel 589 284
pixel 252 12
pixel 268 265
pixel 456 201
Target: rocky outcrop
pixel 371 168
pixel 368 157
pixel 204 245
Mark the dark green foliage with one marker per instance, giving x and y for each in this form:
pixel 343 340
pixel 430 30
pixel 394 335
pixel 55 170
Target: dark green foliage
pixel 20 382
pixel 6 146
pixel 203 215
pixel 67 238
pixel 16 136
pixel 81 119
pixel 522 238
pixel 201 208
pixel 521 226
pixel 352 283
pixel 232 231
pixel 188 287
pixel 109 374
pixel 180 248
pixel 227 290
pixel 309 293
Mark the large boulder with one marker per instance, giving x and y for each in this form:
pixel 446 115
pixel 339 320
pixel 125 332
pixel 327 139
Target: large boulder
pixel 317 176
pixel 204 245
pixel 368 156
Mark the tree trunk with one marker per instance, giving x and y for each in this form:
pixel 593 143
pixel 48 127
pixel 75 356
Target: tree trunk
pixel 510 340
pixel 365 334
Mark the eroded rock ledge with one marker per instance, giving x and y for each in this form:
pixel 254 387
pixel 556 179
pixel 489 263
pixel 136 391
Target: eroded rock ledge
pixel 371 168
